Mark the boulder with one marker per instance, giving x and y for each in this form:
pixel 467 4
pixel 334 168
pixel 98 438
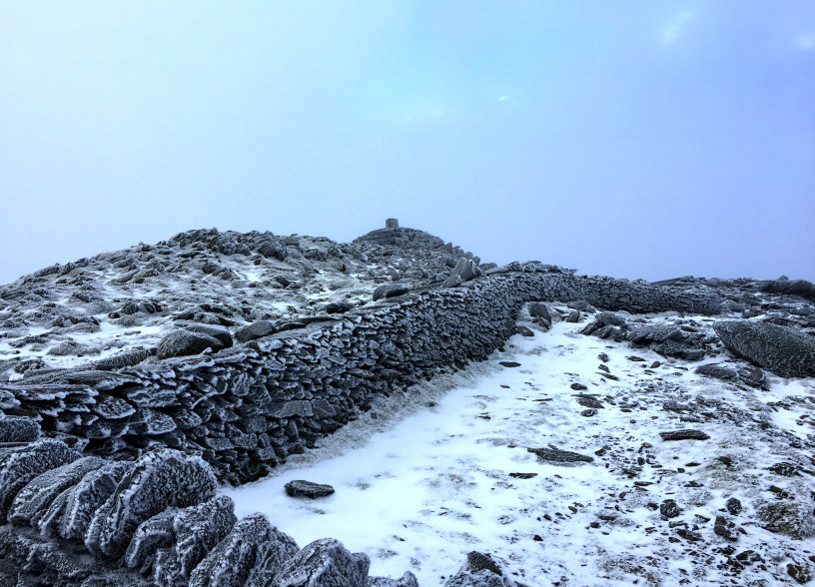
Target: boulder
pixel 324 563
pixel 184 342
pixel 218 332
pixel 785 351
pixel 718 372
pixel 255 330
pixel 390 290
pixel 158 480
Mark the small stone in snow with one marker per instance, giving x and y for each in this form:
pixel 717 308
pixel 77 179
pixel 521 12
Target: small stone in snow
pixel 302 488
pixel 510 363
pixel 687 434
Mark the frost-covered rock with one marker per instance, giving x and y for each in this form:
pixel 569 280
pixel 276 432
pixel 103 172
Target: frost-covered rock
pixel 255 330
pixel 197 530
pixel 186 342
pixel 152 534
pixel 480 570
pixel 785 351
pixel 406 580
pixel 231 562
pixel 18 467
pixel 17 429
pixel 33 500
pixel 83 499
pixel 280 548
pixel 324 563
pixel 160 479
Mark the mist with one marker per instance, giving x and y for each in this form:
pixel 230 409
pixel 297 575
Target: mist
pixel 633 139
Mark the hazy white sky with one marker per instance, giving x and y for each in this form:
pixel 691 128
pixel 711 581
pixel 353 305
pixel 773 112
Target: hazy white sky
pixel 631 138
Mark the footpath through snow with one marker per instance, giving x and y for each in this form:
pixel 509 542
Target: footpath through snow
pixel 423 480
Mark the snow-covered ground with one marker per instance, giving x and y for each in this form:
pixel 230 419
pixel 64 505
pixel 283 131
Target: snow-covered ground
pixel 423 479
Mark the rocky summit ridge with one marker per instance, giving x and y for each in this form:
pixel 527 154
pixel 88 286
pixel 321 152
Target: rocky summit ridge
pixel 133 382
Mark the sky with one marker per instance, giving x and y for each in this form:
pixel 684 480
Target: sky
pixel 636 139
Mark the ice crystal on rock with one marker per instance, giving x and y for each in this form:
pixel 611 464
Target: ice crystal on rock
pixel 159 480
pixel 18 467
pixel 33 500
pixel 324 563
pixel 230 563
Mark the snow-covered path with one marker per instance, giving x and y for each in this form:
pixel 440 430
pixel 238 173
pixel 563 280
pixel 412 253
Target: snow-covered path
pixel 417 492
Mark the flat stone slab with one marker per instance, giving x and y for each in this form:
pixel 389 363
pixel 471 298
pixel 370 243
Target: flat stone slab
pixel 687 434
pixel 302 488
pixel 555 455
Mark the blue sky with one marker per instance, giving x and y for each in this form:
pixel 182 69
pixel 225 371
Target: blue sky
pixel 631 138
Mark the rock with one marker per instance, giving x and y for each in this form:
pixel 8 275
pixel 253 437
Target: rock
pixel 686 434
pixel 152 534
pixel 158 480
pixel 391 223
pixel 255 330
pixel 643 335
pixel 556 455
pixel 523 330
pixel 785 469
pixel 390 290
pixel 17 429
pixel 453 280
pixel 509 363
pixel 801 573
pixel 186 342
pixel 724 529
pixel 276 552
pixel 466 269
pixel 19 467
pixel 785 351
pixel 232 560
pixel 588 401
pixel 669 508
pixel 733 506
pixel 795 287
pixel 324 563
pixel 540 310
pixel 83 499
pixel 718 372
pixel 790 518
pixel 338 307
pixel 218 332
pixel 33 500
pixel 197 530
pixel 406 580
pixel 482 578
pixel 302 488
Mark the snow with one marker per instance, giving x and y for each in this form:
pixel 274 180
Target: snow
pixel 424 480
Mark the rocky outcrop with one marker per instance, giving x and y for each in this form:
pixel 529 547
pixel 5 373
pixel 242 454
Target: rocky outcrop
pixel 783 350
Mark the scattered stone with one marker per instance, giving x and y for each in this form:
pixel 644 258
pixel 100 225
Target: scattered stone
pixel 718 372
pixel 578 386
pixel 686 434
pixel 733 506
pixel 724 529
pixel 523 475
pixel 509 363
pixel 785 469
pixel 669 509
pixel 555 455
pixel 302 488
pixel 588 412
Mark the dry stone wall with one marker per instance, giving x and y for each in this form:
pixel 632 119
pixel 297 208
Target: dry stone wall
pixel 148 515
pixel 245 408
